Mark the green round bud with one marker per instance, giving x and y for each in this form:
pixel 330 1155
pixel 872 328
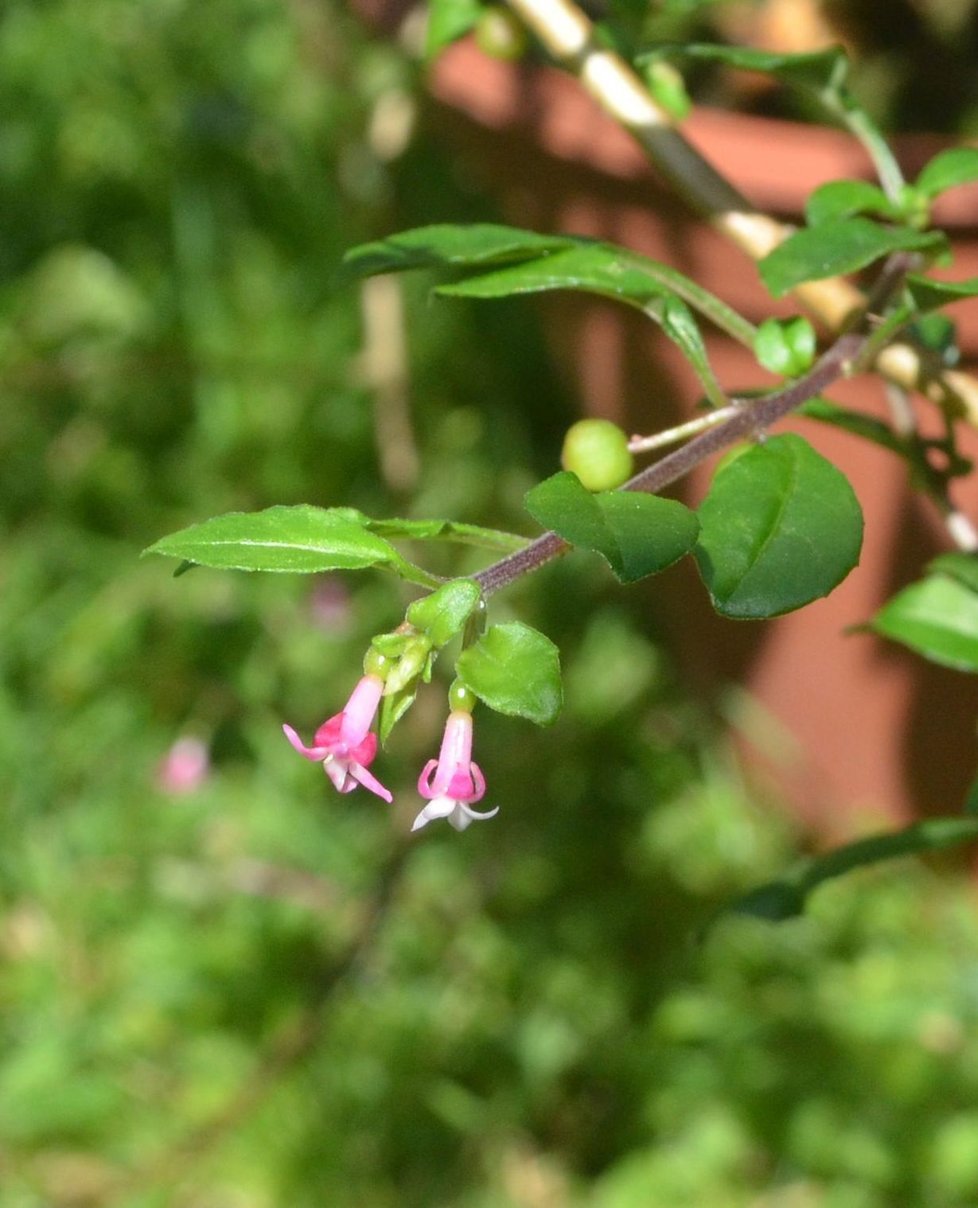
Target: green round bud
pixel 460 697
pixel 499 34
pixel 596 450
pixel 376 663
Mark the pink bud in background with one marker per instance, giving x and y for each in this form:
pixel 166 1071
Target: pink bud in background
pixel 185 766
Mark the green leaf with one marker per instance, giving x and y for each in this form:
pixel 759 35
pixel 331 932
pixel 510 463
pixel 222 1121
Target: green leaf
pixel 822 71
pixel 960 566
pixel 786 896
pixel 833 248
pixel 446 245
pixel 447 21
pixel 844 198
pixel 446 530
pixel 612 273
pixel 867 427
pixel 637 534
pixel 598 267
pixel 929 294
pixel 443 614
pixel 937 618
pixel 515 670
pixel 301 539
pixel 956 166
pixel 779 528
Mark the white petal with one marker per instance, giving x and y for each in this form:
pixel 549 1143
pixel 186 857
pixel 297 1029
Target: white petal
pixel 441 807
pixel 465 816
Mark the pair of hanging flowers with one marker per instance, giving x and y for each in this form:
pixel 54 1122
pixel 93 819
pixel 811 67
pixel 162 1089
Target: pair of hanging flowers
pixel 346 746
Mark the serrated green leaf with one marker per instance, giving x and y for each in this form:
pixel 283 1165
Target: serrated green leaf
pixel 929 294
pixel 515 670
pixel 937 618
pixel 637 534
pixel 845 198
pixel 786 897
pixel 447 245
pixel 300 539
pixel 956 166
pixel 447 21
pixel 839 247
pixel 779 528
pixel 822 71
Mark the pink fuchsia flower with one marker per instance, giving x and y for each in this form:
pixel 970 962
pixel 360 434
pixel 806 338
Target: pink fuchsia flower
pixel 344 744
pixel 452 782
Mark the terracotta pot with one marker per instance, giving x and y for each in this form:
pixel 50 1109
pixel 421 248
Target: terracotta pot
pixel 842 724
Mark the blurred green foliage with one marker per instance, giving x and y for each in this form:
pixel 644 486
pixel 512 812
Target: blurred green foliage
pixel 254 992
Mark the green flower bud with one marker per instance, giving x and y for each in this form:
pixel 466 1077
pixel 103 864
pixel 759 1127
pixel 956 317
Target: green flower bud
pixel 596 450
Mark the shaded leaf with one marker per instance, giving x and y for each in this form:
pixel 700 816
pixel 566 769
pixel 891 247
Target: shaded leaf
pixel 636 533
pixel 779 528
pixel 822 71
pixel 868 427
pixel 605 270
pixel 929 294
pixel 515 670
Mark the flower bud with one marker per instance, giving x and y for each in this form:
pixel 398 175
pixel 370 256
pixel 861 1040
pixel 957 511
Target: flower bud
pixel 596 450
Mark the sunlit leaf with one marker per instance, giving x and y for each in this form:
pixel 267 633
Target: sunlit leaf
pixel 515 670
pixel 779 528
pixel 444 613
pixel 841 246
pixel 955 166
pixel 447 21
pixel 299 539
pixel 937 617
pixel 845 198
pixel 450 245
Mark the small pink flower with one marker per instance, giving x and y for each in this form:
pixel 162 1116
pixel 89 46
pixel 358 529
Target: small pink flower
pixel 452 782
pixel 184 767
pixel 344 744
